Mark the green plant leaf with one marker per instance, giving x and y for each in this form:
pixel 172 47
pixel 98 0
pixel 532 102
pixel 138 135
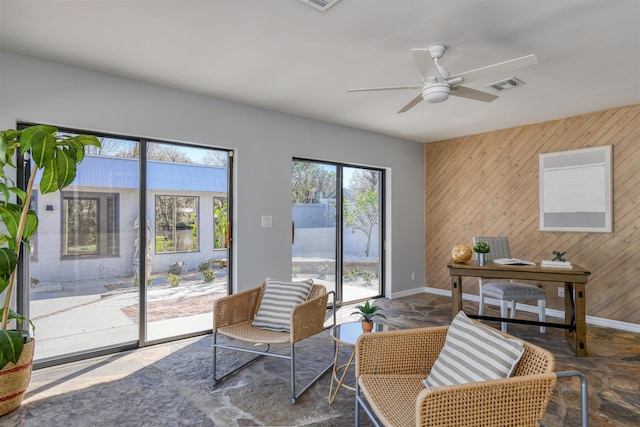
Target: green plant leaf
pixel 20 193
pixel 20 318
pixel 41 141
pixel 11 344
pixel 88 140
pixel 10 214
pixel 66 166
pixel 4 144
pixel 8 260
pixel 8 143
pixel 49 180
pixel 368 311
pixel 31 225
pixel 8 263
pixel 5 191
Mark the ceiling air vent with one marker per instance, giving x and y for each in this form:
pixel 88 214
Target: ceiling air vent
pixel 509 83
pixel 322 5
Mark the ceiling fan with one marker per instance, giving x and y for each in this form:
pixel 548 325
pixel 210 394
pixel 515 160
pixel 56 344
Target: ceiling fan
pixel 438 84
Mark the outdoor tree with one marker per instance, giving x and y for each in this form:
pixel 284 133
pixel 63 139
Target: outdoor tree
pixel 215 158
pixel 309 180
pixel 131 150
pixel 364 180
pixel 363 214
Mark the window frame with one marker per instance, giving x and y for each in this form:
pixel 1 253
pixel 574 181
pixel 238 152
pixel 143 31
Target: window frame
pixel 105 240
pixel 197 223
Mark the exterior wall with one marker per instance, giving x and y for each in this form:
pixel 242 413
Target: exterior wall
pixel 315 234
pixel 49 267
pixel 315 242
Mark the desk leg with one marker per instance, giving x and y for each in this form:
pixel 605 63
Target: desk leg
pixel 575 314
pixel 456 295
pixel 581 319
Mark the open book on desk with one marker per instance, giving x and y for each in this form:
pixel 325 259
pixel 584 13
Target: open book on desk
pixel 513 261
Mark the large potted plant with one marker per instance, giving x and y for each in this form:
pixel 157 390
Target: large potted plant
pixel 57 155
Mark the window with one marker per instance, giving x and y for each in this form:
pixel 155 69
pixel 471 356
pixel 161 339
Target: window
pixel 89 224
pixel 220 222
pixel 176 224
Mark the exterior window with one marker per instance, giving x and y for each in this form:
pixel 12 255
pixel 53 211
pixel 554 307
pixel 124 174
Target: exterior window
pixel 89 224
pixel 220 222
pixel 176 224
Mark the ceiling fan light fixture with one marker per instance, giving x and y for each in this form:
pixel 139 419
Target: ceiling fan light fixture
pixel 436 93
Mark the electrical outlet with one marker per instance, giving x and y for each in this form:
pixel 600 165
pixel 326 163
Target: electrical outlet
pixel 561 292
pixel 413 276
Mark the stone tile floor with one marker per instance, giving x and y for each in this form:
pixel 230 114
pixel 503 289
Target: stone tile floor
pixel 170 384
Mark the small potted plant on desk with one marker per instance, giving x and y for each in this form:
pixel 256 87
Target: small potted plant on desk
pixel 481 249
pixel 56 156
pixel 368 312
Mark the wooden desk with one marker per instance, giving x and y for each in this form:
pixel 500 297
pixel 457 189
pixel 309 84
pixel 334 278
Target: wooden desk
pixel 574 280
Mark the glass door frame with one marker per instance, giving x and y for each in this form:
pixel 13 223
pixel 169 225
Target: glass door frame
pixel 339 269
pixel 23 293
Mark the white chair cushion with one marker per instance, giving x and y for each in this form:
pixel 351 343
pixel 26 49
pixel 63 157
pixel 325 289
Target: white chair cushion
pixel 279 298
pixel 513 291
pixel 473 352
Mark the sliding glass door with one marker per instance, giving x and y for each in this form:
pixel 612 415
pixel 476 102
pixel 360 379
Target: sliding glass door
pixel 361 233
pixel 337 227
pixel 187 248
pixel 82 297
pixel 119 261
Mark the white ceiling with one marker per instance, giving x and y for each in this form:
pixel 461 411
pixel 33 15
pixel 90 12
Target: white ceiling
pixel 287 56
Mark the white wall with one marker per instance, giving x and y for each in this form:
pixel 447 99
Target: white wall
pixel 265 141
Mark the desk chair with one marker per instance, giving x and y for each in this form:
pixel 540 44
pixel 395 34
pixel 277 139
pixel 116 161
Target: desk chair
pixel 508 291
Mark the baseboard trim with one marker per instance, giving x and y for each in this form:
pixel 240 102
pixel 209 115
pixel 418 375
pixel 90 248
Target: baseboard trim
pixel 414 291
pixel 591 320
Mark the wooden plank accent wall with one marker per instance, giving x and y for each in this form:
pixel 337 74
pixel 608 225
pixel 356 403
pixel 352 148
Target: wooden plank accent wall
pixel 488 185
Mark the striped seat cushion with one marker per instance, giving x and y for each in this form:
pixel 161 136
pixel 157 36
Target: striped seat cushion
pixel 279 298
pixel 513 290
pixel 473 352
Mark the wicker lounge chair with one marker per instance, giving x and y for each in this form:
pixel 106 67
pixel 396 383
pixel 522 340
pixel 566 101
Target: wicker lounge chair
pixel 390 367
pixel 233 316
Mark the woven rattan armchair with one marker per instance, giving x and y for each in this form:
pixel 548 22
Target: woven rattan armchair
pixel 233 315
pixel 390 367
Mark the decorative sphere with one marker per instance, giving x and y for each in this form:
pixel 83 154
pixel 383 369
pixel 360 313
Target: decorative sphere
pixel 461 253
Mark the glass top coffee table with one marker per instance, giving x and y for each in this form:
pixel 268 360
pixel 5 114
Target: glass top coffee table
pixel 347 334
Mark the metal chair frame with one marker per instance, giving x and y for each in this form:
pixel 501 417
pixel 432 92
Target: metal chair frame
pixel 266 352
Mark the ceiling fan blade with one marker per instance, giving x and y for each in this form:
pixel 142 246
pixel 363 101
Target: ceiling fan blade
pixel 427 65
pixel 368 89
pixel 467 92
pixel 411 103
pixel 492 71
